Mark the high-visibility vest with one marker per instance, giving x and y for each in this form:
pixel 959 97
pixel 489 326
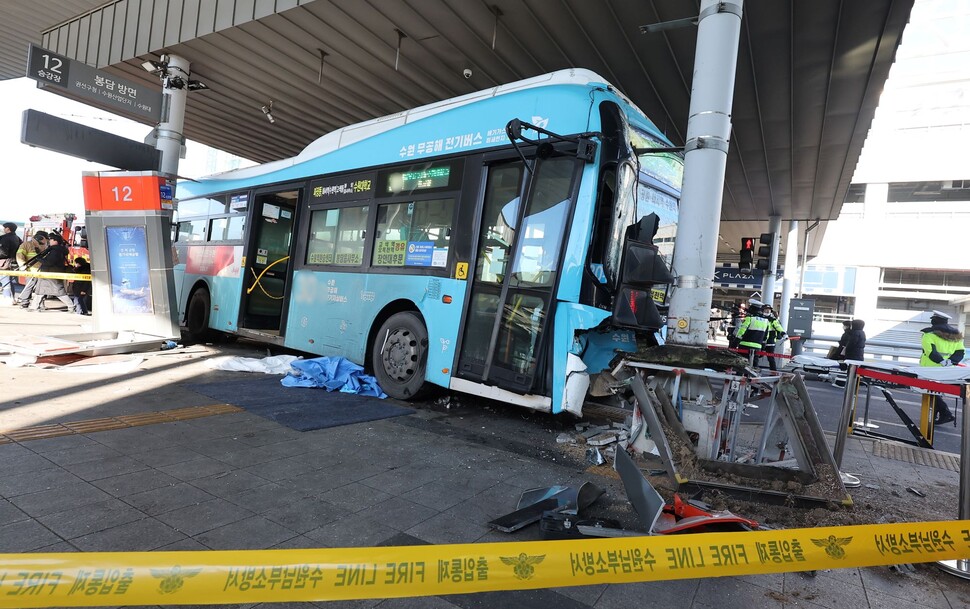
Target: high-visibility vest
pixel 933 341
pixel 752 331
pixel 775 332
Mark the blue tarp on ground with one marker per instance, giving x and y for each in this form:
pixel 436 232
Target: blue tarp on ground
pixel 333 374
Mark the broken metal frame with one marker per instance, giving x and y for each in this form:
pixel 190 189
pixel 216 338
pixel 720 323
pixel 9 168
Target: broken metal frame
pixel 652 421
pixel 805 437
pixel 730 408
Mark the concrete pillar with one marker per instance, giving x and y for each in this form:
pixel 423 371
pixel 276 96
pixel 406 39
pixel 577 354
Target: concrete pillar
pixel 708 132
pixel 768 281
pixel 791 272
pixel 866 292
pixel 169 131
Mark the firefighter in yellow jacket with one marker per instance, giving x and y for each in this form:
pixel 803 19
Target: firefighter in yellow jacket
pixel 27 251
pixel 751 332
pixel 942 346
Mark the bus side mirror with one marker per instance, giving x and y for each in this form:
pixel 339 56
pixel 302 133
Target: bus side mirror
pixel 643 266
pixel 641 269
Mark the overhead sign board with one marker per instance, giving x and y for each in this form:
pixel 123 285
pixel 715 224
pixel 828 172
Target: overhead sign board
pixel 67 137
pixel 91 85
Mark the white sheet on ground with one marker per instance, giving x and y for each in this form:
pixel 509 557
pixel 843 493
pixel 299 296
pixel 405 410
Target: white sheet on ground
pixel 276 364
pixel 812 360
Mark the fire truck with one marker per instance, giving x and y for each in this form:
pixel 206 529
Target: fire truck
pixel 68 225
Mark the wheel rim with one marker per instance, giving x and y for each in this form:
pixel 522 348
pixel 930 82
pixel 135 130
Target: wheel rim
pixel 401 355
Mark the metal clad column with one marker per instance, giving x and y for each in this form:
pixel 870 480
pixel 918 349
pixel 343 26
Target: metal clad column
pixel 791 266
pixel 708 132
pixel 173 116
pixel 768 282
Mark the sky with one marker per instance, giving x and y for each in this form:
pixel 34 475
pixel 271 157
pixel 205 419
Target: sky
pixel 40 181
pixel 919 130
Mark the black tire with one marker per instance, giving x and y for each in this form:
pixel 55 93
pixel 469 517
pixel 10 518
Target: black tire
pixel 197 317
pixel 399 356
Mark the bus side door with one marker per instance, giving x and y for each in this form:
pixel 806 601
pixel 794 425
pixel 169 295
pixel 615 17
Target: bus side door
pixel 504 342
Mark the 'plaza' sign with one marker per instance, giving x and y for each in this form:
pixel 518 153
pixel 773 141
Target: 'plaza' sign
pixel 91 85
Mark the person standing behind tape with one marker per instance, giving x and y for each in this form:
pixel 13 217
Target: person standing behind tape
pixel 52 260
pixel 855 341
pixel 775 334
pixel 751 332
pixel 942 346
pixel 9 243
pixel 81 289
pixel 28 251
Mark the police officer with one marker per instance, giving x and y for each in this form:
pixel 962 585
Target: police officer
pixel 775 334
pixel 942 346
pixel 751 332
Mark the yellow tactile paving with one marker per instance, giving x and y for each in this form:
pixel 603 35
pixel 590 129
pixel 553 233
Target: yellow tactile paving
pixel 40 432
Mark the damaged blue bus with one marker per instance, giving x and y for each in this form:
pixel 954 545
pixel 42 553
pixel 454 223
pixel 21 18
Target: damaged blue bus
pixel 506 243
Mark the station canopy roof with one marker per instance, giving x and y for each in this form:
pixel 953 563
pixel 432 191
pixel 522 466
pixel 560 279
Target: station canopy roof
pixel 808 82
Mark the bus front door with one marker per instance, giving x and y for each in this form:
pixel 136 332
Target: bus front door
pixel 268 262
pixel 504 342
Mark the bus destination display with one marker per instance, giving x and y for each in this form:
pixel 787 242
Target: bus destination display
pixel 344 188
pixel 423 179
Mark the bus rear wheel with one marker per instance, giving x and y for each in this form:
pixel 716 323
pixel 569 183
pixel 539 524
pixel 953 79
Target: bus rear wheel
pixel 197 316
pixel 399 356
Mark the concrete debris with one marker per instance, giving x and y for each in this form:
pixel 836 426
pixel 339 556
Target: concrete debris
pixel 595 430
pixel 582 426
pixel 565 438
pixel 602 439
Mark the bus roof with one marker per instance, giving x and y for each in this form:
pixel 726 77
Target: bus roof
pixel 352 134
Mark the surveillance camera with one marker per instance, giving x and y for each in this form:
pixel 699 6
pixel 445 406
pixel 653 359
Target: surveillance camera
pixel 467 73
pixel 268 111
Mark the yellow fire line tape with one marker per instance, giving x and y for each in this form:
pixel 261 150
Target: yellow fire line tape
pixel 68 276
pixel 264 576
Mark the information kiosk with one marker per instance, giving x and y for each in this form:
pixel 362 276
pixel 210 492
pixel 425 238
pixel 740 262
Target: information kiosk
pixel 129 220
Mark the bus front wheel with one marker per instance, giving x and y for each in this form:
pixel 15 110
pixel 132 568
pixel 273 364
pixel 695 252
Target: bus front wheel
pixel 399 355
pixel 197 316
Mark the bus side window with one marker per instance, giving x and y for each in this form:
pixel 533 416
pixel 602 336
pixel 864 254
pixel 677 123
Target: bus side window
pixel 416 233
pixel 227 229
pixel 191 230
pixel 337 236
